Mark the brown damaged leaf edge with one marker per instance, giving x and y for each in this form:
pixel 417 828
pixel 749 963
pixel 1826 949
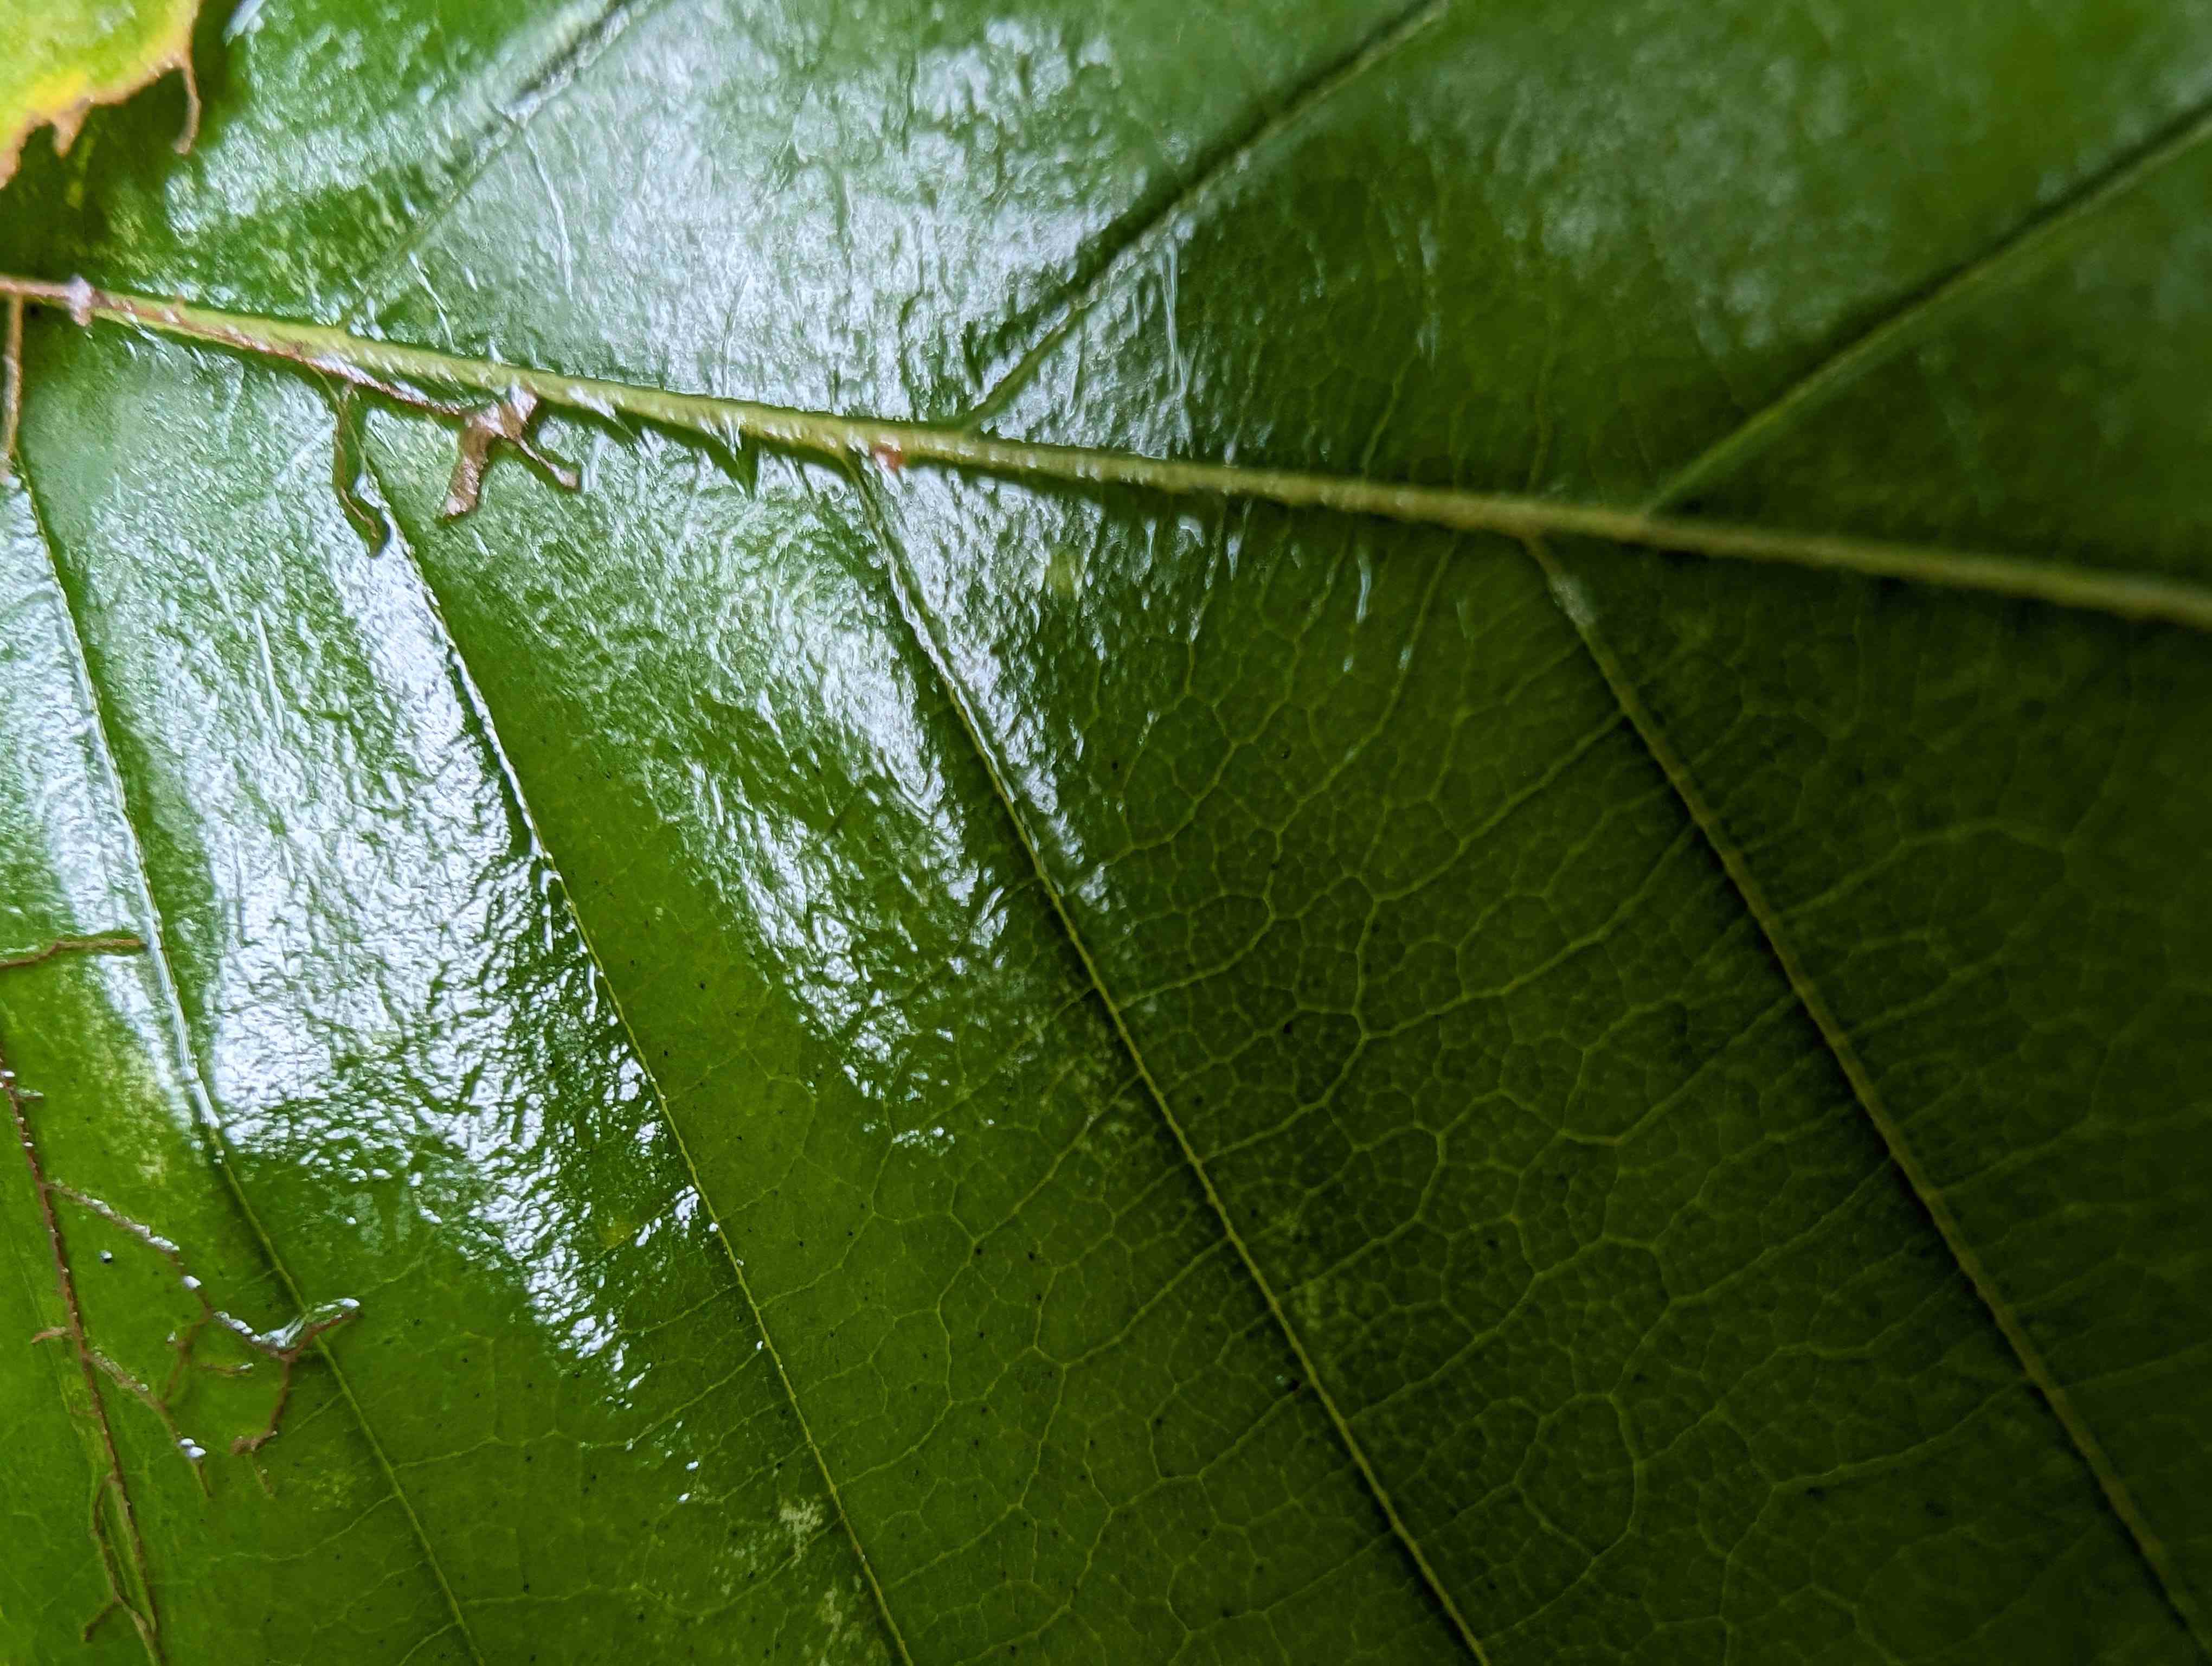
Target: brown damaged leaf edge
pixel 170 54
pixel 398 372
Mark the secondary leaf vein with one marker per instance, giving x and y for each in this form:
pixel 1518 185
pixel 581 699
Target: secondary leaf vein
pixel 2042 236
pixel 933 650
pixel 172 1006
pixel 1123 248
pixel 480 712
pixel 1837 1038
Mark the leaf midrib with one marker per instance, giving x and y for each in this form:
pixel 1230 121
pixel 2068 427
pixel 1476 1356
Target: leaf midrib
pixel 365 361
pixel 374 365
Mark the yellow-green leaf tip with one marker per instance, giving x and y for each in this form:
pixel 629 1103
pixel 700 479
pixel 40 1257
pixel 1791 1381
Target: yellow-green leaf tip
pixel 62 56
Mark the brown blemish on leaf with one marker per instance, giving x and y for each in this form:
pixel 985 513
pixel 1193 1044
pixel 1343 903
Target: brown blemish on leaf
pixel 66 93
pixel 11 400
pixel 507 422
pixel 106 943
pixel 346 471
pixel 504 422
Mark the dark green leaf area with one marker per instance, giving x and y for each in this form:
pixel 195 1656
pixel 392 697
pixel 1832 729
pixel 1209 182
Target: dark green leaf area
pixel 921 1068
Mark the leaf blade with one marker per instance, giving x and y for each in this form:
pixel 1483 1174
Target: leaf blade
pixel 1397 641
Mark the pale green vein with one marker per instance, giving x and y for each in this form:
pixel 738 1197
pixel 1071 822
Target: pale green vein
pixel 173 1004
pixel 2040 238
pixel 582 44
pixel 928 639
pixel 1838 1039
pixel 1123 250
pixel 2012 259
pixel 480 712
pixel 359 360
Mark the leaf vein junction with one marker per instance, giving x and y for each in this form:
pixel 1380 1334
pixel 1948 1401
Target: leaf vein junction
pixel 480 711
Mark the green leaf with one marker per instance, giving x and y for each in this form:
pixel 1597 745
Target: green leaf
pixel 919 1044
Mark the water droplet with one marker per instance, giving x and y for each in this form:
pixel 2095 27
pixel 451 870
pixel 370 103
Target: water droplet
pixel 1063 573
pixel 1574 600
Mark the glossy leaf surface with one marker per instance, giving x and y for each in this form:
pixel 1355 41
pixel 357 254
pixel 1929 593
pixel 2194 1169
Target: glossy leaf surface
pixel 912 1066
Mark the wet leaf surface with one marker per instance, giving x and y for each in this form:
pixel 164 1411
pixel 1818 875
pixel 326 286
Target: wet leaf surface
pixel 905 1065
